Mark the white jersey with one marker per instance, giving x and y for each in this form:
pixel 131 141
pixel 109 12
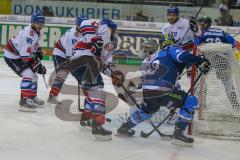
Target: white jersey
pixel 179 30
pixel 23 44
pixel 64 47
pixel 82 48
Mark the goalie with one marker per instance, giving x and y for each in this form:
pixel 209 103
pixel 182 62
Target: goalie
pixel 159 74
pixel 223 72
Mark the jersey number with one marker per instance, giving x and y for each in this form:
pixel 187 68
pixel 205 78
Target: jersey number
pixel 213 40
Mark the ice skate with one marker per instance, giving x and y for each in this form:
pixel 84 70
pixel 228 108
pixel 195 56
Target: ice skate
pixel 100 133
pixel 180 139
pixel 52 100
pixel 125 131
pixel 27 105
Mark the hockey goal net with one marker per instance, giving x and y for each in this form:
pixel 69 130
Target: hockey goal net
pixel 218 93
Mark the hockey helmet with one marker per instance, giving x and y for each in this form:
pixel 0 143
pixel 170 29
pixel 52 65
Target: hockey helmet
pixel 205 22
pixel 110 24
pixel 150 46
pixel 173 9
pixel 37 17
pixel 80 19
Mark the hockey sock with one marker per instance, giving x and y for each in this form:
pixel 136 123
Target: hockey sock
pixel 26 87
pixel 34 89
pixel 56 86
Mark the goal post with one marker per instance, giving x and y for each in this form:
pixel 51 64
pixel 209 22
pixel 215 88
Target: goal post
pixel 218 93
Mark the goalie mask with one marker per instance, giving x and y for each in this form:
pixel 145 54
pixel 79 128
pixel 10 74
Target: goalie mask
pixel 205 22
pixel 166 40
pixel 150 46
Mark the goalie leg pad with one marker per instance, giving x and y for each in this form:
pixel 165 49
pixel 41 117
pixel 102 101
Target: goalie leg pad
pixel 137 117
pixel 189 107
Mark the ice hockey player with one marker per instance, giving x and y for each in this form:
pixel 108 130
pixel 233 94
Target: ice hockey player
pixel 216 35
pixel 91 56
pixel 159 74
pixel 62 52
pixel 184 30
pixel 23 55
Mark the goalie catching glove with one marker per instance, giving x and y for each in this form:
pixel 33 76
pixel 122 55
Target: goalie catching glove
pixel 203 64
pixel 117 78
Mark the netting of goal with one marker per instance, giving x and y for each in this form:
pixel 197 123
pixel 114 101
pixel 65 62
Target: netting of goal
pixel 218 93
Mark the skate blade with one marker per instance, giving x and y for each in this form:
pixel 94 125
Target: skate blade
pixel 24 109
pixel 41 106
pixel 51 104
pixel 85 128
pixel 181 143
pixel 102 138
pixel 123 135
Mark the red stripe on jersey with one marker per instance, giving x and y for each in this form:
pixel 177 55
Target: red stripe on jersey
pixel 59 46
pixel 87 29
pixel 81 45
pixel 9 46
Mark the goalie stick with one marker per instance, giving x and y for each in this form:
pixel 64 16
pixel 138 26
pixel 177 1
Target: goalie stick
pixel 172 111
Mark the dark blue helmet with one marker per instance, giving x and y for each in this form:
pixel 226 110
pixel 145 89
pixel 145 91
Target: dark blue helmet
pixel 110 24
pixel 37 17
pixel 80 19
pixel 173 9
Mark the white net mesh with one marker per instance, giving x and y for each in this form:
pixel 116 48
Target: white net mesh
pixel 218 94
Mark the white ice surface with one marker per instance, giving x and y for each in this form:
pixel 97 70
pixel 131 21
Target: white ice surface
pixel 43 136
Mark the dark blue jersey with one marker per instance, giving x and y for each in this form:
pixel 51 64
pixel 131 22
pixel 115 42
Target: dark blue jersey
pixel 214 35
pixel 160 70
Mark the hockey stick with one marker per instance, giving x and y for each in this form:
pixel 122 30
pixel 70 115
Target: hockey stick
pixel 45 82
pixel 189 26
pixel 79 108
pixel 172 111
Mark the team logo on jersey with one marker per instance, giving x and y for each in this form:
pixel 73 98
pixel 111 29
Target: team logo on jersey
pixel 74 41
pixel 29 41
pixel 31 33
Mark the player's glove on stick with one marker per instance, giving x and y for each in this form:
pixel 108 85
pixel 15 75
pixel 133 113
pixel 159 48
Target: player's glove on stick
pixel 204 64
pixel 117 78
pixel 39 54
pixel 41 69
pixel 193 24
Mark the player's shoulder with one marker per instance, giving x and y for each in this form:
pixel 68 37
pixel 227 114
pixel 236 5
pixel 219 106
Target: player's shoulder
pixel 173 49
pixel 29 33
pixel 214 29
pixel 183 21
pixel 165 28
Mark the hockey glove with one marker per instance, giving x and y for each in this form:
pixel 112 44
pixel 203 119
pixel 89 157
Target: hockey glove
pixel 193 24
pixel 96 46
pixel 117 78
pixel 203 64
pixel 41 69
pixel 38 54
